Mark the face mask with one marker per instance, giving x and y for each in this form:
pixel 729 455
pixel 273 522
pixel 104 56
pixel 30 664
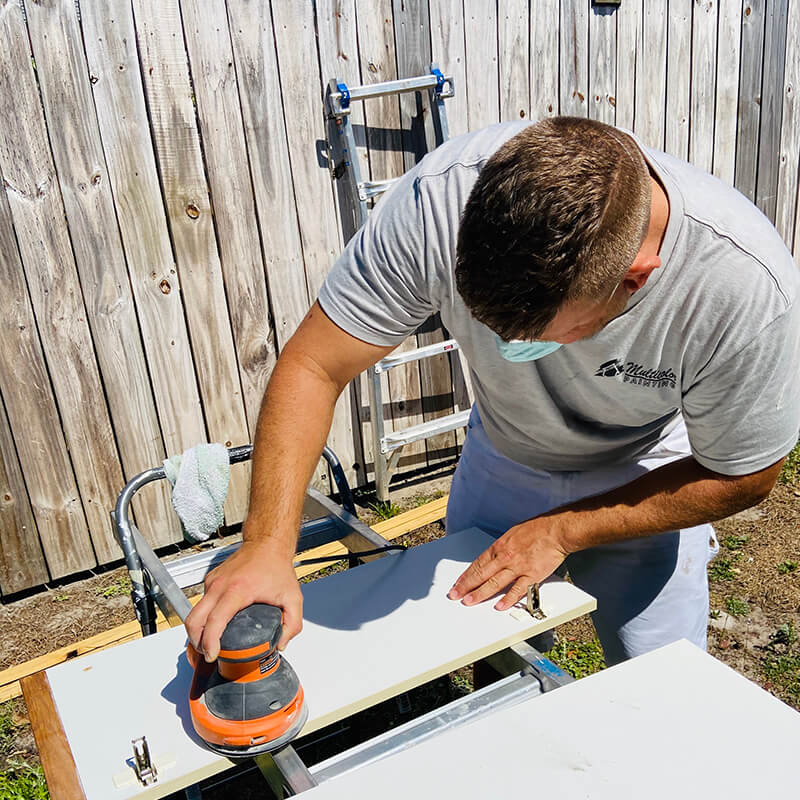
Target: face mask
pixel 519 350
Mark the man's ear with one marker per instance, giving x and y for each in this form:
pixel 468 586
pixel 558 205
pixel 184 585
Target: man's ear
pixel 640 271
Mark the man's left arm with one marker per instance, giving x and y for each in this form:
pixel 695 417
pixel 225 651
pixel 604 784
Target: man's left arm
pixel 681 494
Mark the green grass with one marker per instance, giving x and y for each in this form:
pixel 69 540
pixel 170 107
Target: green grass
pixel 736 607
pixel 385 509
pixel 721 569
pixel 791 467
pixel 121 586
pixel 22 781
pixel 734 542
pixel 785 567
pixel 422 499
pixel 579 659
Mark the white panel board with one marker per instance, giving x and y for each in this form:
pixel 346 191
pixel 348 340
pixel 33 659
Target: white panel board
pixel 369 634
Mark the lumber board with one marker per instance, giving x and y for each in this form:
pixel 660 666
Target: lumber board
pixel 603 63
pixel 86 190
pixel 483 88
pixel 400 386
pixel 54 751
pixel 629 55
pixel 390 529
pixel 513 46
pixel 189 211
pixel 349 616
pixel 769 134
pixel 219 112
pixel 115 77
pixel 605 737
pixel 544 59
pixel 34 200
pixel 749 107
pixel 679 75
pixel 728 49
pixel 651 75
pixel 448 50
pixel 789 157
pixel 574 44
pixel 703 90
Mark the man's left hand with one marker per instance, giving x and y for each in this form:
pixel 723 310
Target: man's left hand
pixel 526 554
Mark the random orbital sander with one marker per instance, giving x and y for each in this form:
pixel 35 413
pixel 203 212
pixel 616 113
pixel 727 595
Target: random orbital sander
pixel 249 701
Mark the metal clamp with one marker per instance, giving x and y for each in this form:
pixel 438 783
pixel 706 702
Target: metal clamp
pixel 533 604
pixel 142 763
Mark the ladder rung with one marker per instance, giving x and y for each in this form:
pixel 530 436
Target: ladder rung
pixel 395 359
pixel 368 189
pixel 372 90
pixel 413 434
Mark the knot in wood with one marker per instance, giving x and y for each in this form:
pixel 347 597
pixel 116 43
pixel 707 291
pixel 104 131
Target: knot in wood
pixel 165 287
pixel 192 211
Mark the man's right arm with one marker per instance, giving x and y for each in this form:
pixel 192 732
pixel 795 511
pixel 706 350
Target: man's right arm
pixel 313 369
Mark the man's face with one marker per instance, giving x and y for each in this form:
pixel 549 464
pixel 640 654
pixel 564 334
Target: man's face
pixel 582 319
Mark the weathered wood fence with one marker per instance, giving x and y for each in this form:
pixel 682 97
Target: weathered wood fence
pixel 168 214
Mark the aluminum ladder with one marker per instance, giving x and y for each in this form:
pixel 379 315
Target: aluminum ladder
pixel 356 197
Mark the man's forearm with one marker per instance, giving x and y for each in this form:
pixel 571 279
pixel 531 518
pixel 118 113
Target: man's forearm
pixel 678 495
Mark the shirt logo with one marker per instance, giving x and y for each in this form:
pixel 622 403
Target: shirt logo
pixel 637 374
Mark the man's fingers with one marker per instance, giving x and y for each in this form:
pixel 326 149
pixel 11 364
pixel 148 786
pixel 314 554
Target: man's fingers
pixel 480 570
pixel 490 587
pixel 514 594
pixel 292 622
pixel 217 619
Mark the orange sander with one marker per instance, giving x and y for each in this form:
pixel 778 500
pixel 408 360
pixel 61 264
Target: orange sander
pixel 249 701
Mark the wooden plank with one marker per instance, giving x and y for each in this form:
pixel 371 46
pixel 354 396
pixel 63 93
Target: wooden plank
pixel 790 133
pixel 483 87
pixel 83 179
pixel 219 112
pixel 513 45
pixel 544 59
pixel 189 211
pixel 56 756
pixel 50 482
pixel 413 50
pixel 115 77
pixel 448 48
pixel 21 561
pixel 679 74
pixel 629 54
pixel 298 66
pixel 728 48
pixel 390 529
pixel 651 75
pixel 44 245
pixel 603 63
pixel 350 616
pixel 603 737
pixel 574 43
pixel 769 136
pixel 749 108
pixel 703 91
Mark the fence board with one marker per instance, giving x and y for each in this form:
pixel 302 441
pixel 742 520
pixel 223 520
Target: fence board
pixel 574 40
pixel 483 87
pixel 220 115
pixel 749 114
pixel 513 32
pixel 448 48
pixel 86 191
pixel 110 42
pixel 728 47
pixel 703 91
pixel 603 63
pixel 38 214
pixel 629 54
pixel 413 43
pixel 544 59
pixel 769 137
pixel 183 180
pixel 679 63
pixel 789 157
pixel 651 78
pixel 299 70
pixel 33 415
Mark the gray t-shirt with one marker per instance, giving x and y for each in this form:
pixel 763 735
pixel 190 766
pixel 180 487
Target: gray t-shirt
pixel 714 335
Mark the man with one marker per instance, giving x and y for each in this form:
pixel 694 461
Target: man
pixel 632 327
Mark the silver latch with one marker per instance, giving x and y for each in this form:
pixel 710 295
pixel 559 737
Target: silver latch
pixel 532 604
pixel 142 763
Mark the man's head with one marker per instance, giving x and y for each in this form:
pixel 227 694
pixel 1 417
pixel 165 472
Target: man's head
pixel 553 226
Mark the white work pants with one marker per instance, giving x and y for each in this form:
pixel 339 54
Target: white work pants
pixel 650 591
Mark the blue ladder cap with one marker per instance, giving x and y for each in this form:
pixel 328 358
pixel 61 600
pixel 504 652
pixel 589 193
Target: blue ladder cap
pixel 345 92
pixel 439 79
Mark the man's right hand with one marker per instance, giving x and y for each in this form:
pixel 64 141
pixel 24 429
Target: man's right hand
pixel 259 572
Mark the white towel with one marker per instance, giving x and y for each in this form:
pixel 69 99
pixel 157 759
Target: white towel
pixel 199 479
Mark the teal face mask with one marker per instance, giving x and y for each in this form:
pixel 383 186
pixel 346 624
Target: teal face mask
pixel 520 350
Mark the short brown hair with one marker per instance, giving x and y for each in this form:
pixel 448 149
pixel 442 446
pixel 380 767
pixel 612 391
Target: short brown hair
pixel 558 213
